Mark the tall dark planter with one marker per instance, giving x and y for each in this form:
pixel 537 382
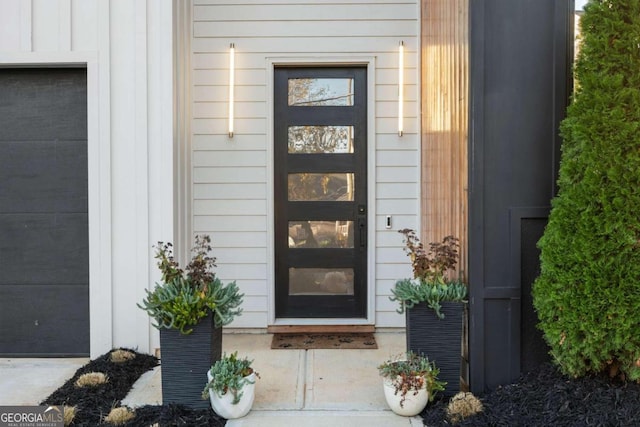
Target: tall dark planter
pixel 439 339
pixel 185 360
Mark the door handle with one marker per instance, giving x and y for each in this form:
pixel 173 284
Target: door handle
pixel 362 226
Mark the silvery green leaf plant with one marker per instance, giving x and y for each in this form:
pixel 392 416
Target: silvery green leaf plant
pixel 430 283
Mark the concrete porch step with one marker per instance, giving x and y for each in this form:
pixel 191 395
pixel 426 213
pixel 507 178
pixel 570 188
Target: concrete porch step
pixel 305 387
pixel 324 418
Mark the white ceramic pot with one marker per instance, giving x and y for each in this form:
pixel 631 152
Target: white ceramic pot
pixel 222 404
pixel 412 404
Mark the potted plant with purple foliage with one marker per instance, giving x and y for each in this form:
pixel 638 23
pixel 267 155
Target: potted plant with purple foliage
pixel 190 306
pixel 434 305
pixel 409 381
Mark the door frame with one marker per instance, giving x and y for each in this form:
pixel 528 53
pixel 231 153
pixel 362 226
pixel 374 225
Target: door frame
pixel 310 61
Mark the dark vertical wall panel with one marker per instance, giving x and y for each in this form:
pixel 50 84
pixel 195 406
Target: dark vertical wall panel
pixel 500 325
pixel 519 52
pixel 44 244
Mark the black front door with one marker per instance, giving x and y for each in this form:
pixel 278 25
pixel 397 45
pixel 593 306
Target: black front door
pixel 320 137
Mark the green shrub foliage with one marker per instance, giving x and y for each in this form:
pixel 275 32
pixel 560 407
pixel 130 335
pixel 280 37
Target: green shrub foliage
pixel 588 293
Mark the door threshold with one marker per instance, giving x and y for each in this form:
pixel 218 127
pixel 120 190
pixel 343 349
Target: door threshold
pixel 320 329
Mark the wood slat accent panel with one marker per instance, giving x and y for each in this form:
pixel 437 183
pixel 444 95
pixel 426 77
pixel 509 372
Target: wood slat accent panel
pixel 445 106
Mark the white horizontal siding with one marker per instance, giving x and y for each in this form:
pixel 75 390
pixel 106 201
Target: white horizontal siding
pixel 305 12
pixel 246 93
pixel 391 273
pixel 390 108
pixel 396 157
pixel 389 125
pixel 399 221
pixel 241 256
pixel 392 255
pixel 383 303
pixel 392 142
pixel 388 238
pixel 293 2
pixel 396 206
pixel 320 29
pixel 229 191
pixel 230 207
pixel 231 175
pixel 387 92
pixel 221 142
pixel 224 158
pixel 219 60
pixel 389 319
pixel 216 110
pixel 239 239
pixel 394 190
pixel 220 126
pixel 255 77
pixel 210 223
pixel 302 44
pixel 253 287
pixel 397 174
pixel 250 319
pixel 252 272
pixel 254 303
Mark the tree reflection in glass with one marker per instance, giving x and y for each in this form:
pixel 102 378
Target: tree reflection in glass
pixel 320 92
pixel 321 234
pixel 320 139
pixel 315 187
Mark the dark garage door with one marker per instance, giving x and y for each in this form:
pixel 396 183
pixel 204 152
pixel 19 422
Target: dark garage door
pixel 44 244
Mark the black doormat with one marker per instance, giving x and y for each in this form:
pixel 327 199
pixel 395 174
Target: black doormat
pixel 341 341
pixel 93 403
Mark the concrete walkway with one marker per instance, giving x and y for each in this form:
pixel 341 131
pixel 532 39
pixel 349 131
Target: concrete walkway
pixel 296 387
pixel 26 382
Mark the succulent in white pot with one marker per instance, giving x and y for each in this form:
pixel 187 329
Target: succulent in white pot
pixel 231 386
pixel 409 381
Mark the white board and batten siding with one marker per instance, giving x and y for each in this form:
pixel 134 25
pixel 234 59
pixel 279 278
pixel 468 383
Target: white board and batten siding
pixel 232 178
pixel 126 47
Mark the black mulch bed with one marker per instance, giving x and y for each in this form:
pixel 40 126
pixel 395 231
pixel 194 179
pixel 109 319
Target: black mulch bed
pixel 546 398
pixel 94 403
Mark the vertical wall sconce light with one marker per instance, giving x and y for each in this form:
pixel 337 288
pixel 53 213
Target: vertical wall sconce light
pixel 232 83
pixel 401 88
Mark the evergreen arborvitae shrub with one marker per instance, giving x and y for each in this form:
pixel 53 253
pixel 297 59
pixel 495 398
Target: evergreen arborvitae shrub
pixel 588 294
